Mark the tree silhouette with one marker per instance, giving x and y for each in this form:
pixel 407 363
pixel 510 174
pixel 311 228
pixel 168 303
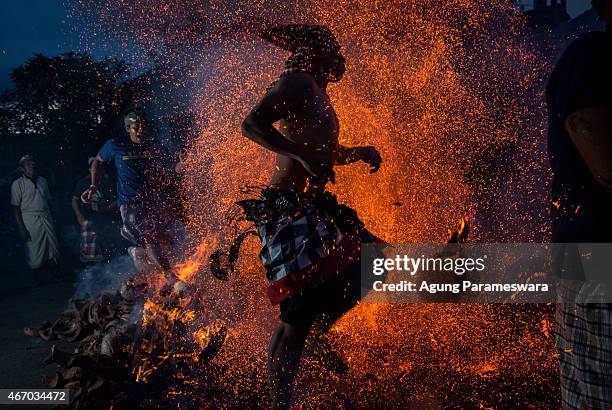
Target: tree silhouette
pixel 70 99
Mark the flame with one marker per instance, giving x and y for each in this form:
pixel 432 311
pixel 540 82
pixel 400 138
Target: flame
pixel 186 270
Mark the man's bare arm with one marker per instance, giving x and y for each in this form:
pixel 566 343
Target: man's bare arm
pixel 76 207
pixel 285 98
pixel 96 172
pixel 347 155
pixel 591 132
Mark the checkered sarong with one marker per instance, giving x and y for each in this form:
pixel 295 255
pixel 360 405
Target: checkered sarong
pixel 293 243
pixel 584 342
pixel 89 249
pixel 304 241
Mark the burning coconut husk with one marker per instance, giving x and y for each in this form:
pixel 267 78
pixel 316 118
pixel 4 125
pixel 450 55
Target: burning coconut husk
pixel 136 347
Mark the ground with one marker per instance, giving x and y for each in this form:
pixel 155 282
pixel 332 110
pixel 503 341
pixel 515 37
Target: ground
pixel 28 298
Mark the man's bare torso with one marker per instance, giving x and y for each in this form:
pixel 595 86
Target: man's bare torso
pixel 315 127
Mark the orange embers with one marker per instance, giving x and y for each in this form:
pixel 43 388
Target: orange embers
pixel 186 270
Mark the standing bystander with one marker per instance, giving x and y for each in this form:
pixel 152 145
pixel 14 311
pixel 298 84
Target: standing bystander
pixel 30 199
pixel 94 217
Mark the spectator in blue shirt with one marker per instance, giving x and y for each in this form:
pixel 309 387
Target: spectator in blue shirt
pixel 141 183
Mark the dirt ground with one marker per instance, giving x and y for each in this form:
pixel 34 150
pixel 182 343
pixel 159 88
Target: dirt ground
pixel 28 298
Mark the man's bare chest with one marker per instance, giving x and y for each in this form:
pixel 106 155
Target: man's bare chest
pixel 315 124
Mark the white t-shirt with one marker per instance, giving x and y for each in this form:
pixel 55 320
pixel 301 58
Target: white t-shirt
pixel 30 197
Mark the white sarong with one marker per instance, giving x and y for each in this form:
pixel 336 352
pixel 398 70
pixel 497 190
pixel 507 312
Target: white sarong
pixel 32 200
pixel 42 245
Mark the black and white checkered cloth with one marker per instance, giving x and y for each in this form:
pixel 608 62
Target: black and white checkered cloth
pixel 304 239
pixel 584 343
pixel 295 242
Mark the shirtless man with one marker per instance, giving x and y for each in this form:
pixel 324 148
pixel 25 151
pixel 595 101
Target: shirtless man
pixel 311 251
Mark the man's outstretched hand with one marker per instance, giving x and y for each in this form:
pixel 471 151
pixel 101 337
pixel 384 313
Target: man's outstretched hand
pixel 370 156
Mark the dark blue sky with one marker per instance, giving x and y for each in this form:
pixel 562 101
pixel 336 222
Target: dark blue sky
pixel 29 26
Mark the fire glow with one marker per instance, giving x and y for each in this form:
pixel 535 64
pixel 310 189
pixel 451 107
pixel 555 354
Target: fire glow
pixel 448 92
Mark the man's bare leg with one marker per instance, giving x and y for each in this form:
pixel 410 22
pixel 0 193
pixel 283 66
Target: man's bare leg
pixel 285 353
pixel 284 356
pixel 320 347
pixel 156 256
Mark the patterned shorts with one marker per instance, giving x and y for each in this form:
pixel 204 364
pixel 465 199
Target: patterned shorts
pixel 142 226
pixel 89 250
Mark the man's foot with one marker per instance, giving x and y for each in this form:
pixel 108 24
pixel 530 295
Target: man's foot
pixel 139 257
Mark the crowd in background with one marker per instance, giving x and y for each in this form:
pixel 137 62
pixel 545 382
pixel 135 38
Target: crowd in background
pixel 132 204
pixel 35 216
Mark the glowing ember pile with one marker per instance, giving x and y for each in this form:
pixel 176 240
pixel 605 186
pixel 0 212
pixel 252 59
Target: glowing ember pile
pixel 450 93
pixel 139 348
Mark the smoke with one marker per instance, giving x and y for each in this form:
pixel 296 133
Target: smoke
pixel 101 278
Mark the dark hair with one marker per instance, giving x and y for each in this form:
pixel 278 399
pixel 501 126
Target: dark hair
pixel 599 5
pixel 25 159
pixel 136 114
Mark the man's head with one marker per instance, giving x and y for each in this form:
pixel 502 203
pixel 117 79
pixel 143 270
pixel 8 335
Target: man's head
pixel 135 126
pixel 27 164
pixel 604 9
pixel 332 66
pixel 314 49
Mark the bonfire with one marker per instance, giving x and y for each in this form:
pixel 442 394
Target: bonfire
pixel 140 347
